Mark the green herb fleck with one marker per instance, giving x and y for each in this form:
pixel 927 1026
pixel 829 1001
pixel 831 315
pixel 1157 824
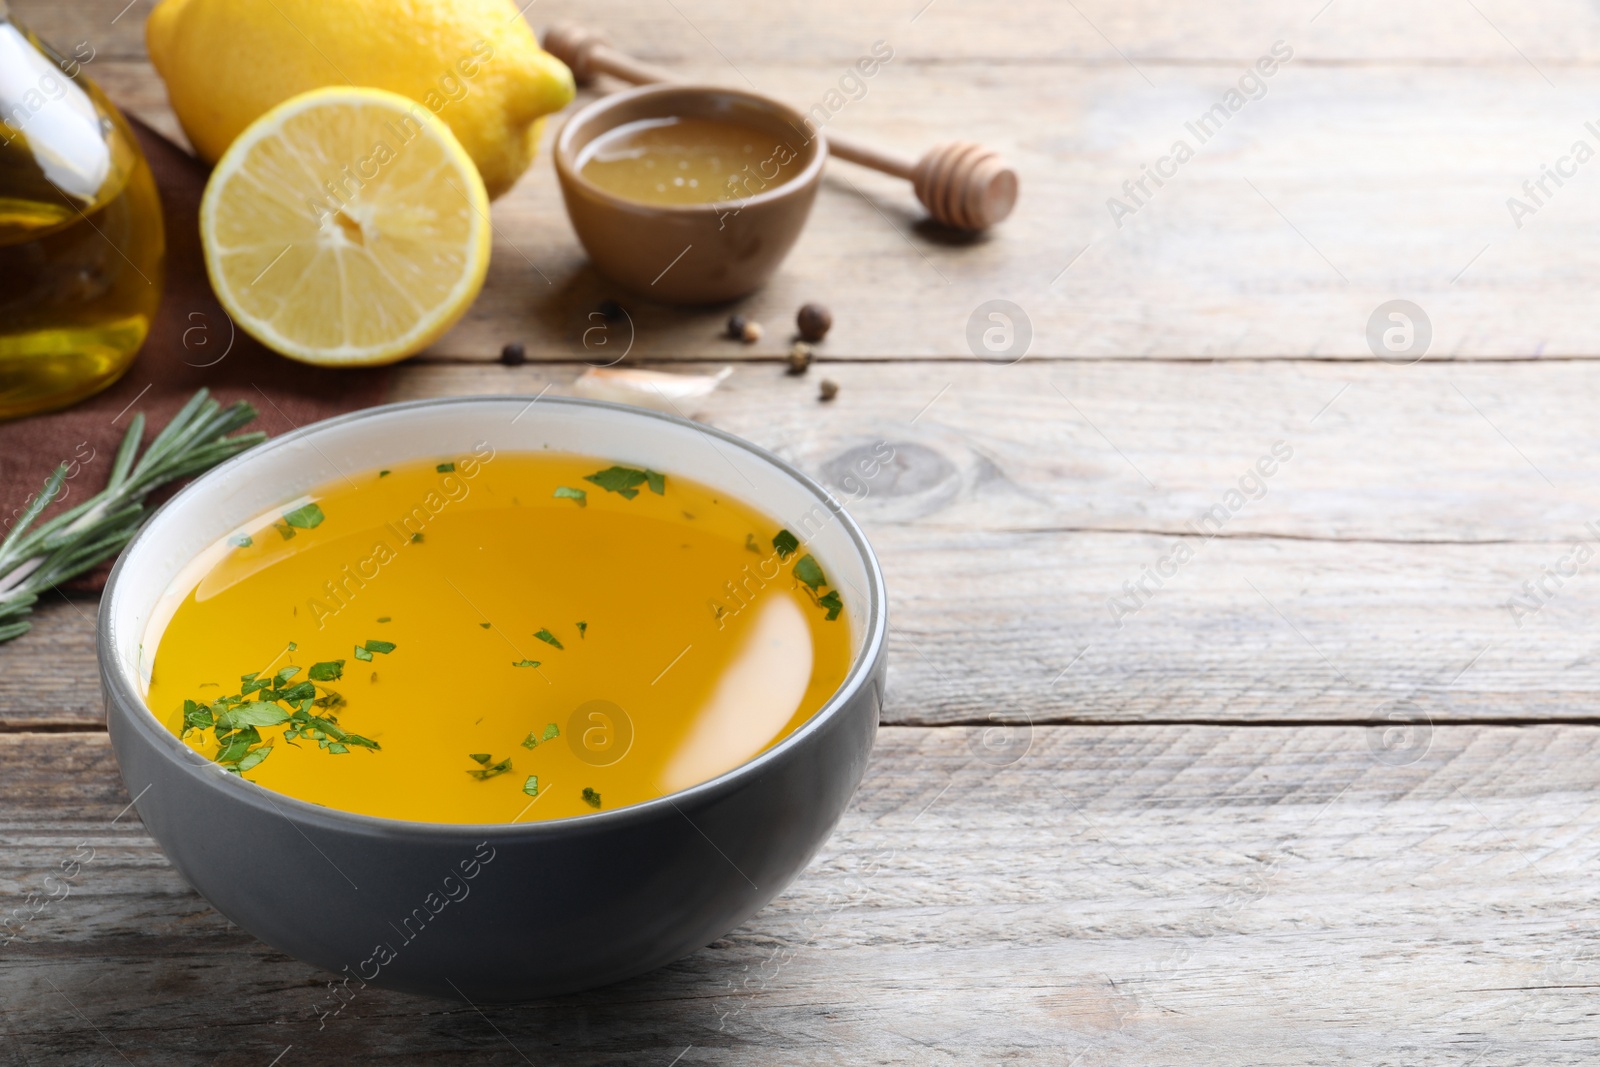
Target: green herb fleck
pixel 252 713
pixel 284 530
pixel 383 647
pixel 306 517
pixel 590 797
pixel 551 732
pixel 786 543
pixel 625 480
pixel 363 655
pixel 383 474
pixel 809 571
pixel 526 663
pixel 531 786
pixel 445 468
pixel 564 493
pixel 486 625
pixel 583 630
pixel 751 545
pixel 550 639
pixel 832 602
pixel 416 539
pixel 329 671
pixel 252 758
pixel 385 618
pixel 241 541
pixel 479 757
pixel 489 770
pixel 530 741
pixel 197 716
pixel 293 646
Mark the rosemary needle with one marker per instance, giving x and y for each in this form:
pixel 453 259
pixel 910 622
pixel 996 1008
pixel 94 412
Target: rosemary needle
pixel 84 536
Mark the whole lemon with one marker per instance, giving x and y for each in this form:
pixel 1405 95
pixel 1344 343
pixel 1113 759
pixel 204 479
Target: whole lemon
pixel 474 63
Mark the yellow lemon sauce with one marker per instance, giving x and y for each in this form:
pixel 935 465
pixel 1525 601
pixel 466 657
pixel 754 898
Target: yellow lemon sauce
pixel 498 638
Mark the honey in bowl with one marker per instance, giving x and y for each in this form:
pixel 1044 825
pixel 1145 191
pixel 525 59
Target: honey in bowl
pixel 498 638
pixel 680 160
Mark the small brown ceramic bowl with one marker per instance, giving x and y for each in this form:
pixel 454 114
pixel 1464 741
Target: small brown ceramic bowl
pixel 690 253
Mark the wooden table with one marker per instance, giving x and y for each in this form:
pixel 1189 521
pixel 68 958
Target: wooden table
pixel 1313 779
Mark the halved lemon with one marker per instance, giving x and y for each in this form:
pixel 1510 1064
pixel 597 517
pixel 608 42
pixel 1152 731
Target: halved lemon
pixel 346 226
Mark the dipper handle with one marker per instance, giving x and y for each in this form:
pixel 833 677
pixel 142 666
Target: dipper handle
pixel 962 184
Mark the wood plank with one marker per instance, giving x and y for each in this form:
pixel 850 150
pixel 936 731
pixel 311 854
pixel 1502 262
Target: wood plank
pixel 1343 188
pixel 1117 895
pixel 1552 35
pixel 1392 542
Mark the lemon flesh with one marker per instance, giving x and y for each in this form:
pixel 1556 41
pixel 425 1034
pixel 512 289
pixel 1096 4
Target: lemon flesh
pixel 346 227
pixel 473 63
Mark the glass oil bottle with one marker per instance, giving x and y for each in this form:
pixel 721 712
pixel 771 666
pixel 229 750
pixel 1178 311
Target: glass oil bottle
pixel 81 239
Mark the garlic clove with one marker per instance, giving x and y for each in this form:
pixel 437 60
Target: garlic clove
pixel 660 390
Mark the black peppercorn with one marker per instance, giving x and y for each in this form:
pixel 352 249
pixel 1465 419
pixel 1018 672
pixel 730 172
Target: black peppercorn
pixel 610 310
pixel 513 355
pixel 813 321
pixel 736 327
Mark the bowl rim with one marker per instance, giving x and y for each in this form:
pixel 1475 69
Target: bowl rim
pixel 120 688
pixel 565 156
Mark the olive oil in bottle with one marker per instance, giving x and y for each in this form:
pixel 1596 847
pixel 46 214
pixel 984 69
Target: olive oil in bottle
pixel 81 240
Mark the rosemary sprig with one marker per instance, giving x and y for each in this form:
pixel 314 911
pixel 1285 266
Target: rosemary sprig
pixel 82 537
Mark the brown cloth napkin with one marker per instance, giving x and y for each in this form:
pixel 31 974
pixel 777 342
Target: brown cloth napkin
pixel 184 352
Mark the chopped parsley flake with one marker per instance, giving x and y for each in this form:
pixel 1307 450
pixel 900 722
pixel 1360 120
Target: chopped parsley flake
pixel 241 541
pixel 564 493
pixel 486 625
pixel 383 474
pixel 479 757
pixel 583 629
pixel 530 741
pixel 751 545
pixel 364 652
pixel 624 481
pixel 550 639
pixel 590 797
pixel 330 671
pixel 489 770
pixel 526 663
pixel 809 571
pixel 384 618
pixel 832 602
pixel 416 539
pixel 445 468
pixel 786 543
pixel 305 517
pixel 551 732
pixel 237 721
pixel 293 646
pixel 531 786
pixel 285 531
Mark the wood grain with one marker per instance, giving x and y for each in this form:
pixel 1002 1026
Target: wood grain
pixel 1347 185
pixel 1555 35
pixel 1298 836
pixel 1114 895
pixel 1382 559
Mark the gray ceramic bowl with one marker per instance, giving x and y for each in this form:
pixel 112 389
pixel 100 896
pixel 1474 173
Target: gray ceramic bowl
pixel 490 912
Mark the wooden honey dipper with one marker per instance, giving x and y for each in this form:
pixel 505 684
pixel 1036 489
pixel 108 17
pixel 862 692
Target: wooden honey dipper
pixel 962 184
